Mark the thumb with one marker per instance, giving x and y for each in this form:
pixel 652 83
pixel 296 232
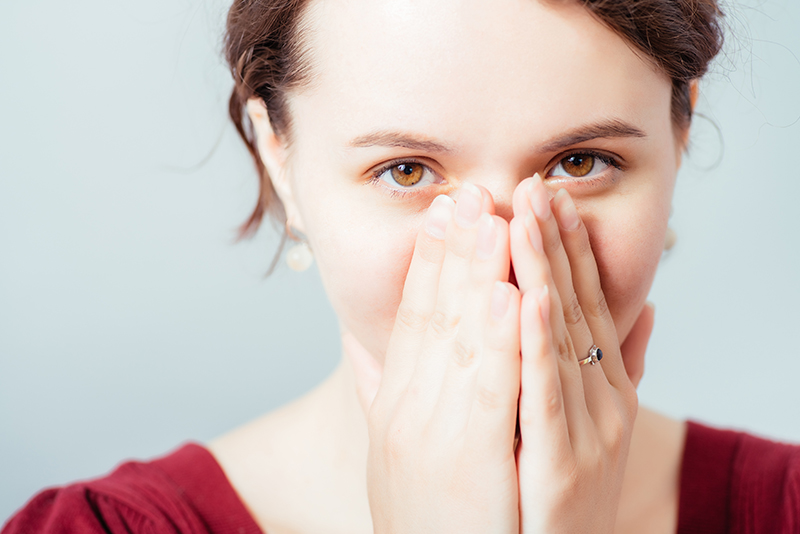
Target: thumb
pixel 635 345
pixel 366 369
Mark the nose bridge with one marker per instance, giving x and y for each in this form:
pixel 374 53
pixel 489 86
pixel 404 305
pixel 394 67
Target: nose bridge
pixel 501 185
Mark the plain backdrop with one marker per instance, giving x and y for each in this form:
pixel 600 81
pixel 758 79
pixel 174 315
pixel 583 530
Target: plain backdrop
pixel 130 322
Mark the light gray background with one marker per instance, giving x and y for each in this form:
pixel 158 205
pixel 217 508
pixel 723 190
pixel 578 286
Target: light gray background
pixel 129 322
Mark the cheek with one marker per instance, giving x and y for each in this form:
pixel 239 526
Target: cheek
pixel 363 268
pixel 628 250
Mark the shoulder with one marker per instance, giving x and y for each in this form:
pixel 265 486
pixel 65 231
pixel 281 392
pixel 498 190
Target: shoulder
pixel 184 492
pixel 736 482
pixel 272 463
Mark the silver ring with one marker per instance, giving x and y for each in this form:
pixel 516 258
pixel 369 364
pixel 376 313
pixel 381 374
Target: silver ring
pixel 595 355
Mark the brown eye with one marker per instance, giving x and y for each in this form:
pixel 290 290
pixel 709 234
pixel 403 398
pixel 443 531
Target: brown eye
pixel 407 174
pixel 578 165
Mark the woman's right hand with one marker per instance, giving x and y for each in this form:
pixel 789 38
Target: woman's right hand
pixel 442 425
pixel 575 420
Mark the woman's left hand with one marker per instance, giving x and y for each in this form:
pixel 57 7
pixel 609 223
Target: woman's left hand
pixel 575 420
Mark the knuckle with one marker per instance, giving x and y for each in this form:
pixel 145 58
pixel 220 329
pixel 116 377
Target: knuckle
pixel 430 250
pixel 551 239
pixel 410 319
pixel 574 472
pixel 571 477
pixel 595 453
pixel 460 247
pixel 464 353
pixel 564 349
pixel 488 398
pixel 573 313
pixel 444 324
pixel 616 433
pixel 549 408
pixel 401 436
pixel 617 430
pixel 553 402
pixel 526 415
pixel 599 306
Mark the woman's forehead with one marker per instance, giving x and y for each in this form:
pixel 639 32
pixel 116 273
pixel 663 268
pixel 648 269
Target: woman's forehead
pixel 442 66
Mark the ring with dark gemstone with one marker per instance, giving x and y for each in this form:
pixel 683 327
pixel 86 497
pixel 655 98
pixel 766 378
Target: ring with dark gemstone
pixel 595 355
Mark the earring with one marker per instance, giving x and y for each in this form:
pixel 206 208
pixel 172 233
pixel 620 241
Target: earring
pixel 299 257
pixel 670 238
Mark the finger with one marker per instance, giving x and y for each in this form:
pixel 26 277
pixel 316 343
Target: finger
pixel 545 414
pixel 577 327
pixel 493 413
pixel 586 280
pixel 520 201
pixel 534 270
pixel 467 352
pixel 487 206
pixel 537 275
pixel 635 345
pixel 456 287
pixel 419 297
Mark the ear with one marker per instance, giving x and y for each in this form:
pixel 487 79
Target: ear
pixel 694 94
pixel 273 153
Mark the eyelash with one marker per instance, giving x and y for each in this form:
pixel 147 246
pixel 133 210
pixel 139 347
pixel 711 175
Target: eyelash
pixel 603 157
pixel 375 179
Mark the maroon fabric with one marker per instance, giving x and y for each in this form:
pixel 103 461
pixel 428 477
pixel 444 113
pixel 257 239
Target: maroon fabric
pixel 185 492
pixel 736 483
pixel 730 483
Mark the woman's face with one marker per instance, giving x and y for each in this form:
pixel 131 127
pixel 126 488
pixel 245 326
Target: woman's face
pixel 472 91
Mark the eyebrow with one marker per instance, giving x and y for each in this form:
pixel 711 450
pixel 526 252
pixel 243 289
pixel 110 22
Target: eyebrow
pixel 602 130
pixel 399 139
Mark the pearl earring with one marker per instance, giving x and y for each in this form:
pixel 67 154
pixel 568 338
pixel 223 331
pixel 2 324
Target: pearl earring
pixel 300 257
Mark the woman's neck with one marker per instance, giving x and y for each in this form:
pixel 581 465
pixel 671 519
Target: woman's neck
pixel 302 468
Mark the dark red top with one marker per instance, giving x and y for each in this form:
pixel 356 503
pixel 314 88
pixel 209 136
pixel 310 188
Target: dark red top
pixel 730 483
pixel 185 492
pixel 736 483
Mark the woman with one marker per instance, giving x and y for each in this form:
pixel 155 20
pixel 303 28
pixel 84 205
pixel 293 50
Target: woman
pixel 477 182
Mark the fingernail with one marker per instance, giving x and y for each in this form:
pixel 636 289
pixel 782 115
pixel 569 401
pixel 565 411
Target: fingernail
pixel 439 214
pixel 544 304
pixel 500 299
pixel 534 234
pixel 567 214
pixel 468 207
pixel 538 198
pixel 487 237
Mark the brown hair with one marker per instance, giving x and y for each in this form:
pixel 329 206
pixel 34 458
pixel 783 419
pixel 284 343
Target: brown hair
pixel 263 47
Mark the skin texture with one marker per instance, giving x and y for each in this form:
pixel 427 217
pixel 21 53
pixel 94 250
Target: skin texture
pixel 516 102
pixel 480 93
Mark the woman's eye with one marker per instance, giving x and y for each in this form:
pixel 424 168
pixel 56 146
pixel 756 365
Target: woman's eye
pixel 407 175
pixel 579 166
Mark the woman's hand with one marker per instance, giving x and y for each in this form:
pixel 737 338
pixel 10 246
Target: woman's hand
pixel 441 432
pixel 441 455
pixel 575 420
